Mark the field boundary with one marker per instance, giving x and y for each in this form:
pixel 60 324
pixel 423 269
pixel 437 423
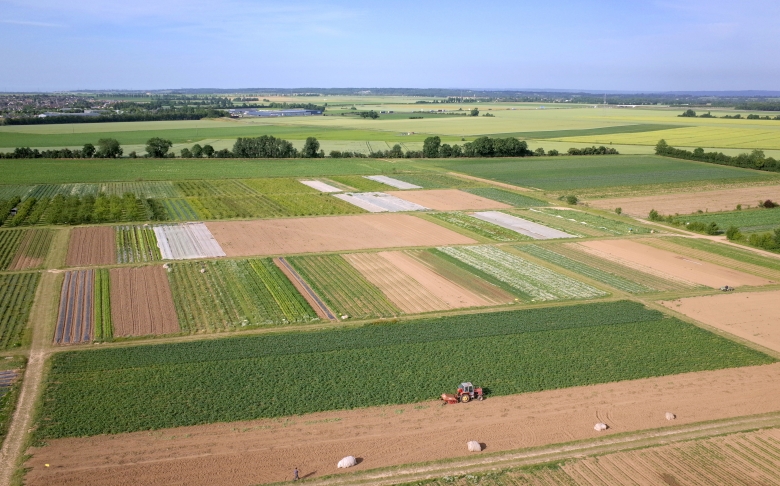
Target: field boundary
pixel 308 293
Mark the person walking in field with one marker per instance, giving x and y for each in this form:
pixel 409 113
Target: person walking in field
pixel 295 474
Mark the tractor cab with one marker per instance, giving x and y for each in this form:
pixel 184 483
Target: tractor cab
pixel 466 387
pixel 467 392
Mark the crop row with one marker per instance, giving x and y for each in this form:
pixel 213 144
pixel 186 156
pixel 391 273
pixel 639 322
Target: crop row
pixel 16 297
pixel 480 227
pixel 507 197
pixel 607 225
pixel 566 224
pixel 532 281
pixel 217 295
pixel 179 210
pixel 243 378
pixel 342 287
pixel 581 268
pixel 103 331
pixel 136 244
pixel 79 210
pixel 9 244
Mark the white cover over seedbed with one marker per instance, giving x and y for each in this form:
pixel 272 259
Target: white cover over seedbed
pixel 321 186
pixel 392 182
pixel 379 202
pixel 186 241
pixel 523 226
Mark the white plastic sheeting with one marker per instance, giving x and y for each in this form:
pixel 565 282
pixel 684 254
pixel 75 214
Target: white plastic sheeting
pixel 186 241
pixel 379 202
pixel 523 226
pixel 321 186
pixel 348 461
pixel 392 182
pixel 474 446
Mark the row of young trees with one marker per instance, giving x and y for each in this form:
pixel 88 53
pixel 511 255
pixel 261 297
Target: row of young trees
pixel 754 160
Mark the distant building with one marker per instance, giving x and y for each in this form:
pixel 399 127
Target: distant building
pixel 56 113
pixel 242 112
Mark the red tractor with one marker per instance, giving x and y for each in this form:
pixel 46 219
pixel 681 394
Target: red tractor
pixel 466 392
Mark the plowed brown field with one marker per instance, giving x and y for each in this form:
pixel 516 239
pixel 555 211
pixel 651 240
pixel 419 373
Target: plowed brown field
pixel 448 200
pixel 673 265
pixel 267 450
pixel 336 233
pixel 754 316
pixel 91 246
pixel 141 302
pixel 690 202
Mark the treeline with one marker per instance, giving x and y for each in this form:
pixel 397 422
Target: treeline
pixel 692 114
pixel 758 105
pixel 754 160
pixel 166 115
pixel 71 210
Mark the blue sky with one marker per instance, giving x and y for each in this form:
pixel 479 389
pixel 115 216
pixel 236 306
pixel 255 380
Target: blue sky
pixel 597 44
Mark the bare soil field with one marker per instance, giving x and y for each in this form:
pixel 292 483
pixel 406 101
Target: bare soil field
pixel 405 292
pixel 690 202
pixel 448 200
pixel 91 246
pixel 753 316
pixel 141 302
pixel 336 233
pixel 674 265
pixel 263 451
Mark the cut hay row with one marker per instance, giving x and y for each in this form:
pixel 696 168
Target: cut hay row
pixel 343 288
pixel 32 250
pixel 584 269
pixel 91 246
pixel 520 225
pixel 483 228
pixel 392 182
pixel 222 295
pixel 136 244
pixel 141 302
pixel 379 202
pixel 76 315
pixel 186 241
pixel 16 296
pixel 533 282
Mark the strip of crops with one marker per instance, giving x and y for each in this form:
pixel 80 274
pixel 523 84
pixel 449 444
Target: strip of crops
pixel 507 197
pixel 136 244
pixel 9 243
pixel 231 294
pixel 748 220
pixel 179 210
pixel 342 287
pixel 480 227
pixel 16 297
pixel 438 181
pixel 608 225
pixel 75 320
pixel 313 204
pixel 610 279
pixel 361 183
pixel 215 188
pixel 276 185
pixel 76 209
pixel 154 189
pixel 102 303
pixel 32 250
pixel 559 222
pixel 236 207
pixel 242 378
pixel 533 282
pixel 12 191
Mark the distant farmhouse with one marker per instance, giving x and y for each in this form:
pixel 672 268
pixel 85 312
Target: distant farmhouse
pixel 242 113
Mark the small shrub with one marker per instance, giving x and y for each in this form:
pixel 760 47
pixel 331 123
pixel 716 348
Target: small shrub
pixel 654 216
pixel 572 200
pixel 733 233
pixel 618 210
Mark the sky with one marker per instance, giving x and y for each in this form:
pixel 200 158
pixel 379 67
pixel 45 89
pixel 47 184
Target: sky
pixel 591 45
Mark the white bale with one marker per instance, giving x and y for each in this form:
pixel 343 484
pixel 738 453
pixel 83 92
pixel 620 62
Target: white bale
pixel 348 461
pixel 474 446
pixel 670 416
pixel 600 426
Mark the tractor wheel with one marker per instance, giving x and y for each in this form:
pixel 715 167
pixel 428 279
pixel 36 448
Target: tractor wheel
pixel 480 398
pixel 465 398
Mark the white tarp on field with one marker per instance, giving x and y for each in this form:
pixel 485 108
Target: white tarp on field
pixel 392 182
pixel 379 202
pixel 523 226
pixel 186 241
pixel 321 186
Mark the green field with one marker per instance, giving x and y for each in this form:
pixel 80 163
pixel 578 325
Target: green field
pixel 607 226
pixel 103 330
pixel 234 294
pixel 748 221
pixel 108 391
pixel 571 173
pixel 16 295
pixel 343 288
pixel 507 197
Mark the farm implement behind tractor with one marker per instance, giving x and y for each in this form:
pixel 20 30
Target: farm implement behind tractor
pixel 466 392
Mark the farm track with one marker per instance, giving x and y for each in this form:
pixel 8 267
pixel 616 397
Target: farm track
pixel 141 302
pixel 91 246
pixel 305 290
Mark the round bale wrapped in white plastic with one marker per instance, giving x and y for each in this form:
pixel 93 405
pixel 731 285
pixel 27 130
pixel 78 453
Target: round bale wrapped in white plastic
pixel 600 426
pixel 348 461
pixel 474 446
pixel 670 416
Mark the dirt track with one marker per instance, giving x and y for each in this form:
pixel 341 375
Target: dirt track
pixel 267 450
pixel 690 202
pixel 448 200
pixel 141 302
pixel 336 233
pixel 91 246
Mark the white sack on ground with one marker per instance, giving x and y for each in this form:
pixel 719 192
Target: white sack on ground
pixel 474 446
pixel 600 426
pixel 348 461
pixel 670 416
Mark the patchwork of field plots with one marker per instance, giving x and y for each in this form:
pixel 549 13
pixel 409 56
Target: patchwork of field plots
pixel 75 321
pixel 448 200
pixel 186 242
pixel 338 233
pixel 522 226
pixel 91 246
pixel 219 295
pixel 16 296
pixel 530 281
pixel 379 202
pixel 266 375
pixel 637 255
pixel 24 249
pixel 690 202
